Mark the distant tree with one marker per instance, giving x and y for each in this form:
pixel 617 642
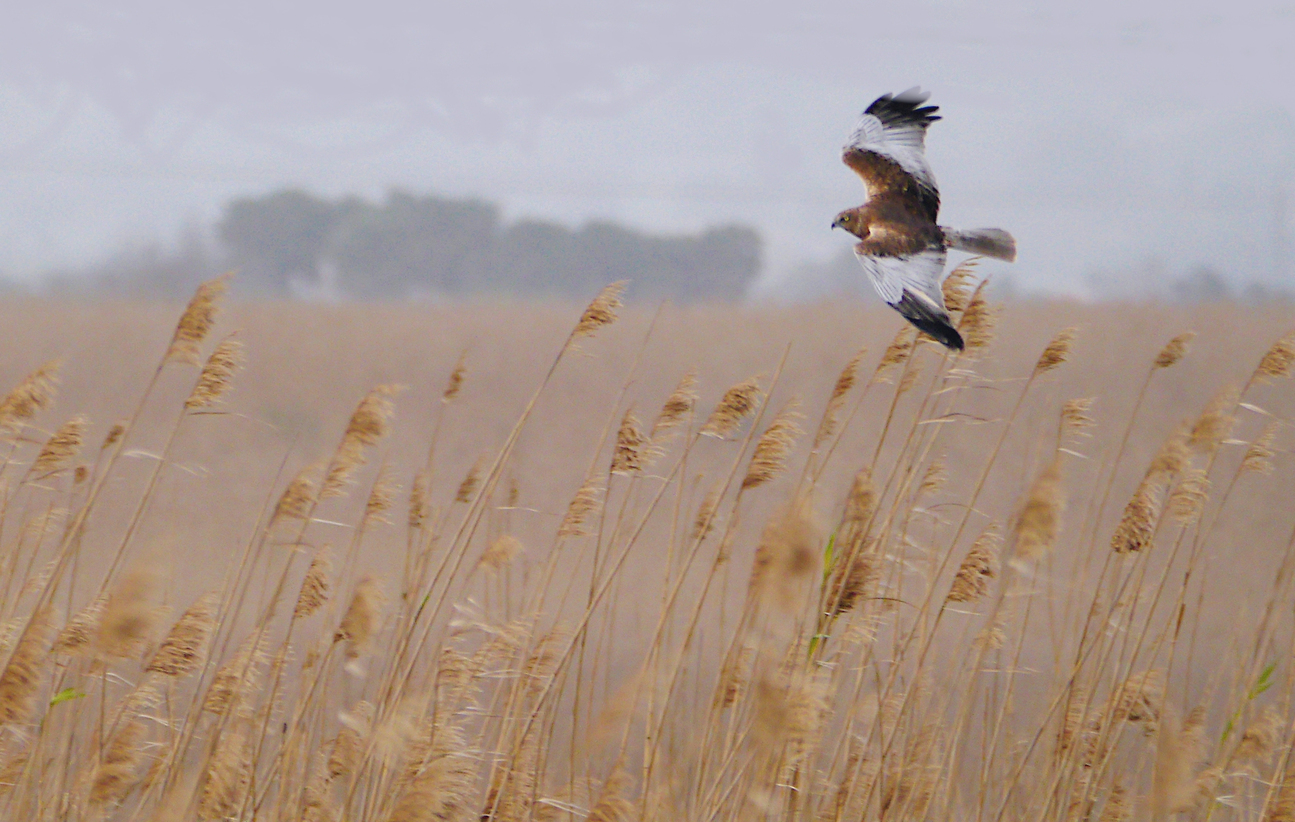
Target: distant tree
pixel 411 245
pixel 1202 285
pixel 280 237
pixel 531 258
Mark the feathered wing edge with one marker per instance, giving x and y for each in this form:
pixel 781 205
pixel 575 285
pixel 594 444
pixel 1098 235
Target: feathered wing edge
pixel 937 324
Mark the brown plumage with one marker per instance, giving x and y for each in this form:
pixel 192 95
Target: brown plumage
pixel 902 247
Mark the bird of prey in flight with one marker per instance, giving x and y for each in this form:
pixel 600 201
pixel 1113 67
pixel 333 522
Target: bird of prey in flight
pixel 901 245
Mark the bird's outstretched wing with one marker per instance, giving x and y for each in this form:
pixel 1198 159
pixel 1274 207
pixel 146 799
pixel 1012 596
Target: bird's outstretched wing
pixel 911 285
pixel 887 148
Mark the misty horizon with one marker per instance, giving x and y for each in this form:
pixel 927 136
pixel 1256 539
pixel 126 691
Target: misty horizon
pixel 1116 143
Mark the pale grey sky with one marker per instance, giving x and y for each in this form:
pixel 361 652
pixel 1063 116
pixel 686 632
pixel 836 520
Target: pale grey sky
pixel 1105 135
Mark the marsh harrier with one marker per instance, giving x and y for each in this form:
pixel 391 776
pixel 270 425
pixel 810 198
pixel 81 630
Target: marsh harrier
pixel 901 245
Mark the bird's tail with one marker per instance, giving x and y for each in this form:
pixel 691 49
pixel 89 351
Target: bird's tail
pixel 927 318
pixel 991 242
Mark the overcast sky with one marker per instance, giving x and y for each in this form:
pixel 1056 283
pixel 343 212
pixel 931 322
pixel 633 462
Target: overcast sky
pixel 1107 136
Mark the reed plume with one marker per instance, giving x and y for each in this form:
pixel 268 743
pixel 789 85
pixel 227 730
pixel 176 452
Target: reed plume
pixel 1277 361
pixel 185 647
pixel 601 312
pixel 627 458
pixel 1174 350
pixel 1039 519
pixel 773 447
pixel 61 448
pixel 28 398
pixel 1056 352
pixel 737 404
pixel 582 506
pixel 217 375
pixel 20 683
pixel 315 586
pixel 836 400
pixel 675 409
pixel 368 424
pixel 979 566
pixel 196 321
pixel 978 320
pixel 363 616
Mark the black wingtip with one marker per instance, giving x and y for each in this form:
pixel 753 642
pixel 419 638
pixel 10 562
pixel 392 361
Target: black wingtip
pixel 930 322
pixel 905 107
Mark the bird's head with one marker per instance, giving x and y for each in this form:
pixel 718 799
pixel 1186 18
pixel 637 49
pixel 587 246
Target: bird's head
pixel 849 220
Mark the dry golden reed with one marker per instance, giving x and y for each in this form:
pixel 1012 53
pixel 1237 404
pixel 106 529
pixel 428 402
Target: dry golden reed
pixel 627 458
pixel 613 803
pixel 500 554
pixel 786 556
pixel 363 617
pixel 1075 414
pixel 437 785
pixel 1261 738
pixel 1189 496
pixel 1215 422
pixel 836 400
pixel 861 502
pixel 82 628
pixel 773 447
pixel 955 286
pixel 381 497
pixel 130 617
pixel 676 408
pixel 1039 519
pixel 368 424
pixel 185 647
pixel 196 322
pixel 1174 350
pixel 1172 458
pixel 468 486
pixel 737 404
pixel 315 586
pixel 454 384
pixel 20 683
pixel 704 521
pixel 1117 807
pixel 1259 456
pixel 113 436
pixel 601 312
pixel 971 581
pixel 978 320
pixel 853 580
pixel 1137 526
pixel 229 773
pixel 897 353
pixel 911 374
pixel 1056 352
pixel 217 375
pixel 28 398
pixel 419 503
pixel 1277 360
pixel 582 506
pixel 118 771
pixel 299 496
pixel 933 478
pixel 237 677
pixel 61 448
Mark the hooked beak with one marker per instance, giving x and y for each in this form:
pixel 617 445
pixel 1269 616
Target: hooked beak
pixel 836 223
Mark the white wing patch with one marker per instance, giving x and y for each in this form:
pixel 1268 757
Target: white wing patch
pixel 918 274
pixel 904 143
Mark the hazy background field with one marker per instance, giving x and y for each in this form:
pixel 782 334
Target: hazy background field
pixel 309 364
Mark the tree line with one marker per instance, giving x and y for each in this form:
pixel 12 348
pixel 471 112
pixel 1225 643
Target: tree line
pixel 293 243
pixel 408 245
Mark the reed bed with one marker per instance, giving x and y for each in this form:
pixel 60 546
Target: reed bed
pixel 887 582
